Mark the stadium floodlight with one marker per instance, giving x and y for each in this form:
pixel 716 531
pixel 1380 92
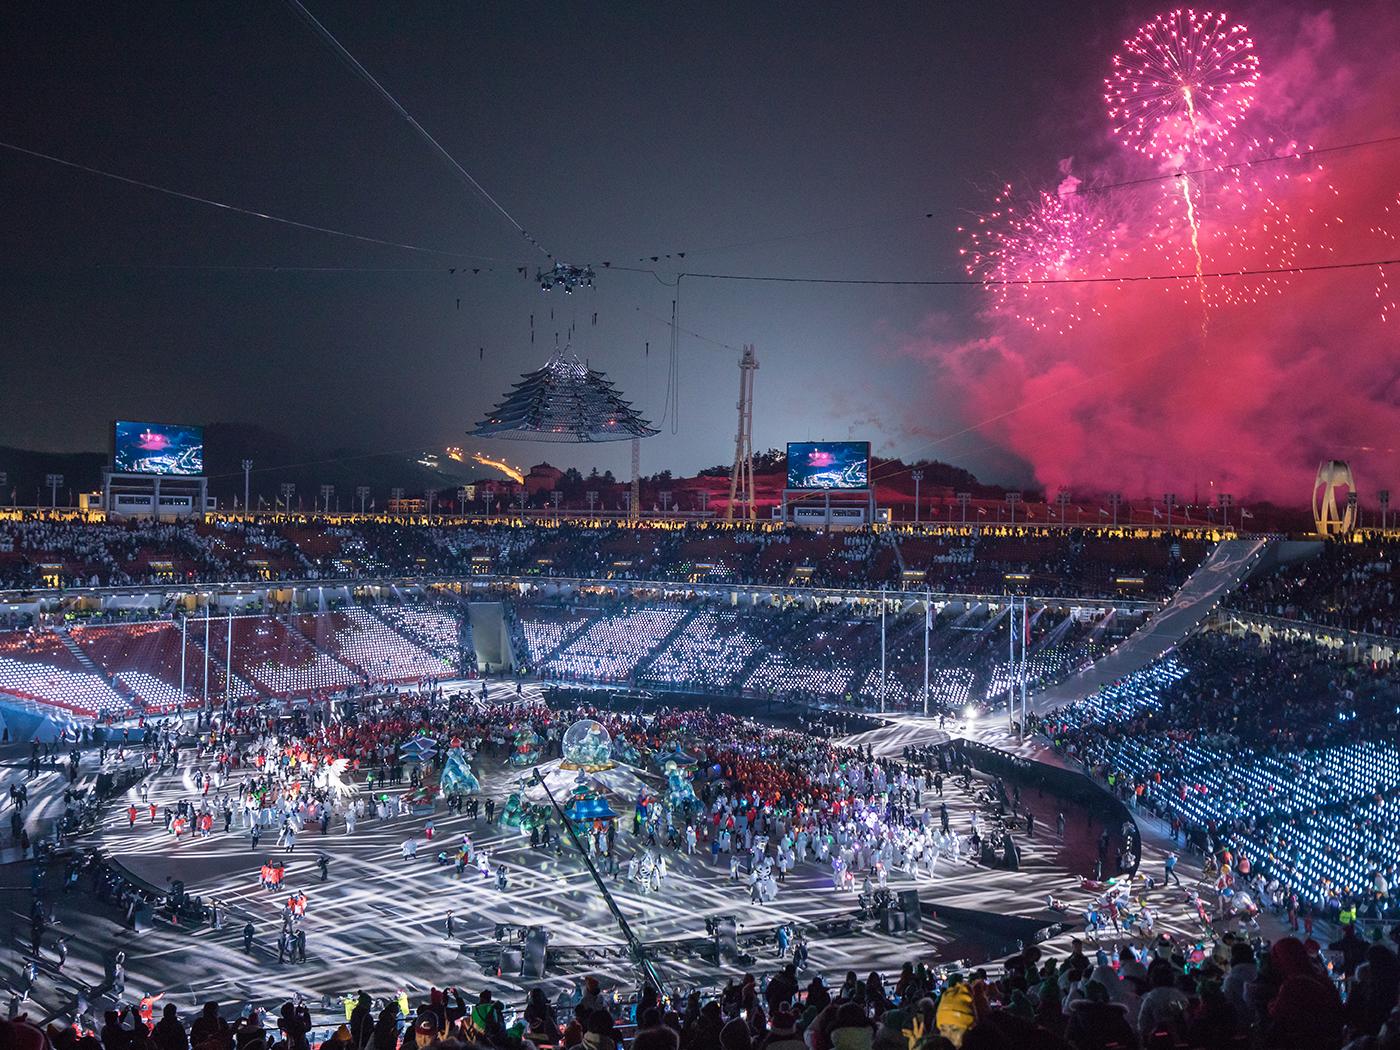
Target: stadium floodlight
pixel 288 490
pixel 53 481
pixel 592 496
pixel 1013 498
pixel 327 491
pixel 554 497
pixel 1169 499
pixel 1115 500
pixel 362 494
pixel 918 476
pixel 1383 495
pixel 704 498
pixel 970 712
pixel 247 470
pixel 665 495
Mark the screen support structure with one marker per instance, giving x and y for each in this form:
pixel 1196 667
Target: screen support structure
pixel 824 502
pixel 158 496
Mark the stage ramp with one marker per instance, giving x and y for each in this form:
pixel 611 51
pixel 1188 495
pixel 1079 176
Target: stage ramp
pixel 1199 596
pixel 491 637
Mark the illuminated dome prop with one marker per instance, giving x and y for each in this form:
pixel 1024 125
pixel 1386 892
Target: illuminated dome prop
pixel 587 747
pixel 564 401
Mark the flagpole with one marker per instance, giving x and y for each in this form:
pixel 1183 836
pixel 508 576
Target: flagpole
pixel 882 649
pixel 1011 668
pixel 928 614
pixel 1025 641
pixel 228 665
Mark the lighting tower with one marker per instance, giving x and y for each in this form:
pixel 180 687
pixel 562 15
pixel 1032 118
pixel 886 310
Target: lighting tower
pixel 741 476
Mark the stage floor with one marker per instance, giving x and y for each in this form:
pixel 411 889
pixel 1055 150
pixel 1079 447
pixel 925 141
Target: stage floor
pixel 377 922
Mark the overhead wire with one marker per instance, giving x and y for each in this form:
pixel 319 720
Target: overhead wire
pixel 954 282
pixel 1083 190
pixel 369 78
pixel 238 209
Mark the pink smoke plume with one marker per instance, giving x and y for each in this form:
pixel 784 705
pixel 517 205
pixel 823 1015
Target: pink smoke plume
pixel 1253 381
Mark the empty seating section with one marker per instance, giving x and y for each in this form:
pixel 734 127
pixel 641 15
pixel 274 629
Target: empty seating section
pixel 281 662
pixel 39 667
pixel 815 670
pixel 440 630
pixel 145 658
pixel 709 653
pixel 156 694
pixel 543 628
pixel 611 647
pixel 358 638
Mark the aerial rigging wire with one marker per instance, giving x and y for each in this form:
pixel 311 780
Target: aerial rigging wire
pixel 236 209
pixel 368 77
pixel 955 282
pixel 1084 190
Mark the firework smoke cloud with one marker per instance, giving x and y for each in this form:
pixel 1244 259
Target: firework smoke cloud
pixel 1205 166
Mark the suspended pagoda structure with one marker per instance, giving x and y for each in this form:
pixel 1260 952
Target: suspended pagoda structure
pixel 564 401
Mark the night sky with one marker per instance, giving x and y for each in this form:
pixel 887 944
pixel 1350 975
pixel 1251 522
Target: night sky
pixel 779 139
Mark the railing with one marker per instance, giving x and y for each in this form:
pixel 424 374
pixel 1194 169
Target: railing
pixel 667 588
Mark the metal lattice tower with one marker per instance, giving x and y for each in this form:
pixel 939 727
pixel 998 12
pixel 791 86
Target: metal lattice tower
pixel 741 476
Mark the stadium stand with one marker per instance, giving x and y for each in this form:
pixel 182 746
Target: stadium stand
pixel 358 638
pixel 281 662
pixel 442 631
pixel 38 666
pixel 984 560
pixel 1285 754
pixel 1349 585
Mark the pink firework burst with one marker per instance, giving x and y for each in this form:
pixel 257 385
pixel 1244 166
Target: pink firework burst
pixel 1181 84
pixel 1030 254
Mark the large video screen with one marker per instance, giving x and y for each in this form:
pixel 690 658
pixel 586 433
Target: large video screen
pixel 158 448
pixel 828 464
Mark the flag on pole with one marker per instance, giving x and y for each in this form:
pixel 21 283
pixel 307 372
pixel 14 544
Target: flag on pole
pixel 981 510
pixel 1155 512
pixel 1245 514
pixel 1103 513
